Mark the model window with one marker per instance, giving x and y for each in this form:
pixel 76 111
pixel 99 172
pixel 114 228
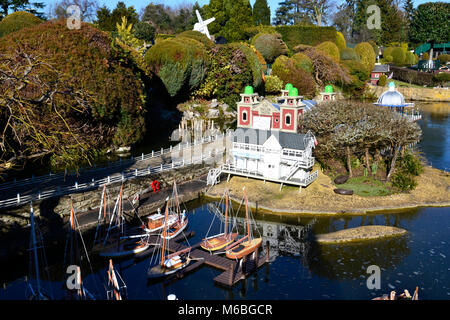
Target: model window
pixel 244 116
pixel 288 119
pixel 276 120
pixel 247 100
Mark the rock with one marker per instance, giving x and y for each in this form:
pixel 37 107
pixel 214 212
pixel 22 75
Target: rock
pixel 123 149
pixel 341 179
pixel 213 113
pixel 360 234
pixel 213 103
pixel 347 192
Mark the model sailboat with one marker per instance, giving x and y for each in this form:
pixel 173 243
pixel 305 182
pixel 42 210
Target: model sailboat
pixel 220 240
pixel 115 291
pixel 181 222
pixel 116 243
pixel 245 245
pixel 171 263
pixel 37 293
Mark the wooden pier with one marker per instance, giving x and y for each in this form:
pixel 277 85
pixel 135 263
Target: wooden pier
pixel 233 270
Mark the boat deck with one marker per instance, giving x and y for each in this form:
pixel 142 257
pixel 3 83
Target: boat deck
pixel 234 270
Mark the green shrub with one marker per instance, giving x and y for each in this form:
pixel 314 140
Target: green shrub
pixel 88 60
pixel 301 48
pixel 399 56
pixel 359 74
pixel 144 31
pixel 304 62
pixel 251 32
pixel 410 58
pixel 425 56
pixel 200 37
pixel 340 41
pixel 349 54
pixel 228 74
pixel 271 46
pixel 254 63
pixel 388 51
pixel 403 181
pixel 330 49
pixel 408 167
pixel 17 21
pixel 273 85
pixel 382 80
pixel 374 47
pixel 442 78
pixel 444 58
pixel 365 52
pixel 310 35
pixel 388 58
pixel 289 71
pixel 185 57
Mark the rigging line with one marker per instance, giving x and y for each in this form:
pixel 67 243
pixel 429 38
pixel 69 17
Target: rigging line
pixel 44 256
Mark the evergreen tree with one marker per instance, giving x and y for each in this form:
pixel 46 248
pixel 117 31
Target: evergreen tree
pixel 291 12
pixel 20 5
pixel 408 7
pixel 107 20
pixel 261 12
pixel 431 23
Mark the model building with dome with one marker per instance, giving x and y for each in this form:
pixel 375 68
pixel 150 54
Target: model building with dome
pixel 394 99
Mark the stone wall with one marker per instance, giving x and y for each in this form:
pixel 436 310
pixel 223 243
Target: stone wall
pixel 416 94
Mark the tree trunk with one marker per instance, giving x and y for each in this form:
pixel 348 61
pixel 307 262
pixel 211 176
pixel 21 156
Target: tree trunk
pixel 394 159
pixel 367 159
pixel 349 162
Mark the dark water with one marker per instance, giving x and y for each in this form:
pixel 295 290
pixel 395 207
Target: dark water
pixel 299 268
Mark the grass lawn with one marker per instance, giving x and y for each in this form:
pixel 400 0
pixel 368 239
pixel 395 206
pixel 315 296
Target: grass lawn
pixel 403 84
pixel 366 186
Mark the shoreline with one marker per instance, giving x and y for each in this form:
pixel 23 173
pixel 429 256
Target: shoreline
pixel 290 202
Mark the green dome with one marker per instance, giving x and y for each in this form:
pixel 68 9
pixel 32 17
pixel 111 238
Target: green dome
pixel 293 92
pixel 329 89
pixel 288 86
pixel 248 90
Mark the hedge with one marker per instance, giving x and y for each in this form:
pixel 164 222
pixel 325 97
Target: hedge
pixel 412 76
pixel 17 21
pixel 196 35
pixel 310 35
pixel 444 58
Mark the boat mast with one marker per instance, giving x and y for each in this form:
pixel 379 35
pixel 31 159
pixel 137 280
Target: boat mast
pixel 226 212
pixel 246 214
pixel 119 215
pixel 33 237
pixel 164 233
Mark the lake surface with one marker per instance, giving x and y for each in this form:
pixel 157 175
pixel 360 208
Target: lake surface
pixel 299 268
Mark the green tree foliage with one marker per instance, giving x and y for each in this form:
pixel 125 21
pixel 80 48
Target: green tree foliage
pixel 444 58
pixel 144 31
pixel 21 5
pixel 270 45
pixel 81 89
pixel 229 73
pixel 273 85
pixel 232 18
pixel 293 12
pixel 359 76
pixel 261 12
pixel 430 22
pixel 107 20
pixel 17 21
pixel 330 49
pixel 366 54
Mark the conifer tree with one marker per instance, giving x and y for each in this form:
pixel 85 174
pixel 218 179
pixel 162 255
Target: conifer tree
pixel 261 12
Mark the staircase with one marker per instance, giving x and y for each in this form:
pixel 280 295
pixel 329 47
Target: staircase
pixel 213 176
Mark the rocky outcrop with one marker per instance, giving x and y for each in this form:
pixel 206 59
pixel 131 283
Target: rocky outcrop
pixel 362 233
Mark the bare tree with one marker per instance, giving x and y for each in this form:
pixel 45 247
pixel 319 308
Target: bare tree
pixel 88 9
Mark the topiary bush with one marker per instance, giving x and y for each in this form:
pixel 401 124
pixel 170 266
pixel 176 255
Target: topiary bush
pixel 17 21
pixel 340 41
pixel 410 58
pixel 200 37
pixel 301 48
pixel 180 63
pixel 330 49
pixel 366 54
pixel 304 62
pixel 254 62
pixel 382 80
pixel 289 71
pixel 273 85
pixel 426 56
pixel 349 54
pixel 444 58
pixel 388 58
pixel 399 56
pixel 270 46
